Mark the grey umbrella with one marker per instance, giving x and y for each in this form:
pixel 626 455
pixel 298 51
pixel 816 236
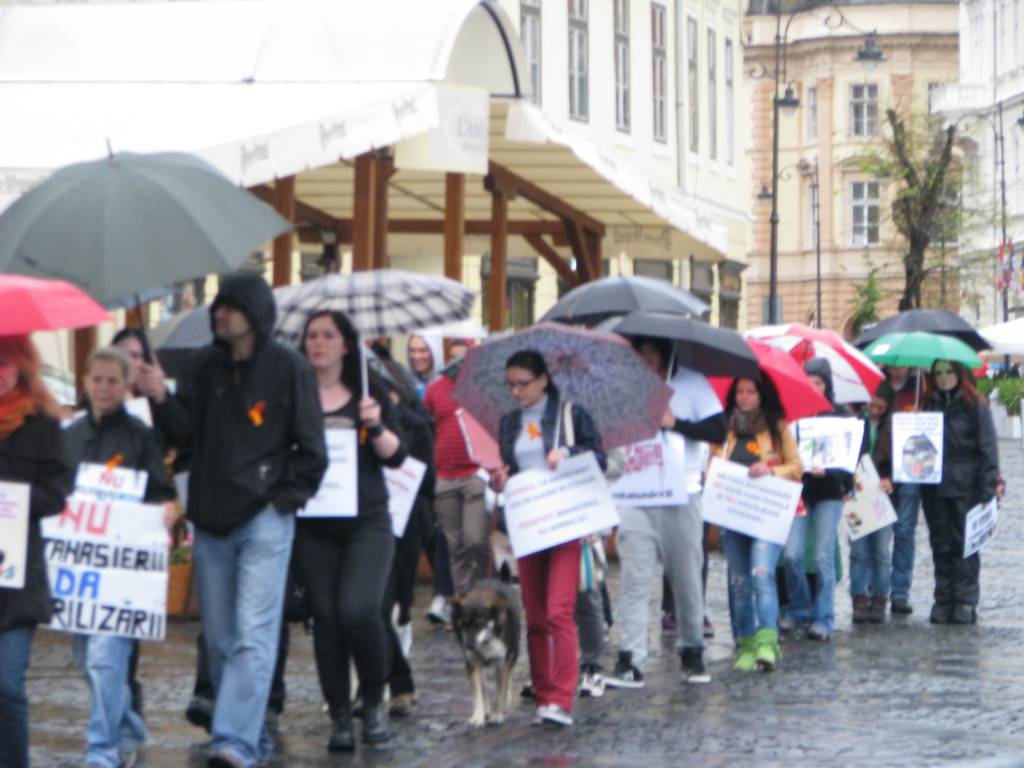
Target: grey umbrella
pixel 123 225
pixel 593 302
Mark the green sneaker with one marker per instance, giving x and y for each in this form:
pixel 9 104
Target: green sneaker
pixel 768 652
pixel 748 652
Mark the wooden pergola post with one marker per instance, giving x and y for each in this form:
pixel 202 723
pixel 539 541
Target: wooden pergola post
pixel 284 204
pixel 499 261
pixel 454 224
pixel 363 214
pixel 85 343
pixel 384 167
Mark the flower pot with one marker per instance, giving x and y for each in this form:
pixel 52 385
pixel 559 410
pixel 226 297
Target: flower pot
pixel 179 588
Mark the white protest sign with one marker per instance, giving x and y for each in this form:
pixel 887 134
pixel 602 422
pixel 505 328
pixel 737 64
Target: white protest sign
pixel 870 509
pixel 14 520
pixel 544 509
pixel 654 474
pixel 107 563
pixel 110 483
pixel 917 448
pixel 339 490
pixel 403 484
pixel 762 508
pixel 980 526
pixel 829 442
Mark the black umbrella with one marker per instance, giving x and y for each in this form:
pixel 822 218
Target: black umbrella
pixel 931 320
pixel 593 302
pixel 698 346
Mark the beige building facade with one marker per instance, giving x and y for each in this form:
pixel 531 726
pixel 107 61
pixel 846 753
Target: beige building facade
pixel 821 187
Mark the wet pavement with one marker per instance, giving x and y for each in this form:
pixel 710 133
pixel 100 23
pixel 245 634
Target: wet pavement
pixel 905 693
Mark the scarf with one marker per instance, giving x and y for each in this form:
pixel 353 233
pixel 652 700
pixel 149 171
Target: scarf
pixel 14 407
pixel 752 423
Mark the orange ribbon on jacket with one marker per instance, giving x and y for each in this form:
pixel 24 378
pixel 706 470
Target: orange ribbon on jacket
pixel 256 413
pixel 533 430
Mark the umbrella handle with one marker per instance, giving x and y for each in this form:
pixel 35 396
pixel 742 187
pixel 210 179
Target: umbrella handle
pixel 363 375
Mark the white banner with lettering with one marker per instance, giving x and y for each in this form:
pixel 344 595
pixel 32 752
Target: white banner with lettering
pixel 111 483
pixel 762 508
pixel 14 521
pixel 544 509
pixel 338 495
pixel 403 484
pixel 980 526
pixel 107 564
pixel 654 474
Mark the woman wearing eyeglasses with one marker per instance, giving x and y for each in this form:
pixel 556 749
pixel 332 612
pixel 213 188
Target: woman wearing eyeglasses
pixel 970 467
pixel 533 436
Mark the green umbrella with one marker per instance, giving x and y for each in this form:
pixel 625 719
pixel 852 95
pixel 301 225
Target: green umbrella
pixel 123 225
pixel 919 349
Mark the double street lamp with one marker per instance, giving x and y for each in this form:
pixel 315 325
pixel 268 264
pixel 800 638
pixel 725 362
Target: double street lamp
pixel 869 55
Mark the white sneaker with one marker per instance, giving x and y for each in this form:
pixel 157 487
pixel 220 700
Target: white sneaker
pixel 591 684
pixel 538 714
pixel 404 632
pixel 440 612
pixel 555 714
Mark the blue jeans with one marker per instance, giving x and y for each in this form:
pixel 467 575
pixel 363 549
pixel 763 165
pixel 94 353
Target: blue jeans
pixel 241 580
pixel 114 729
pixel 15 650
pixel 870 564
pixel 907 502
pixel 802 610
pixel 753 595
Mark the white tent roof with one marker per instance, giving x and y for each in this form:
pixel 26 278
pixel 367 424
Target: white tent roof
pixel 1005 338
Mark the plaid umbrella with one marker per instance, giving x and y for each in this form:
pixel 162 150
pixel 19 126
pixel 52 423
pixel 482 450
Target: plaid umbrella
pixel 379 303
pixel 600 371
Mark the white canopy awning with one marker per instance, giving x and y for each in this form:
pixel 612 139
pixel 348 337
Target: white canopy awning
pixel 1005 338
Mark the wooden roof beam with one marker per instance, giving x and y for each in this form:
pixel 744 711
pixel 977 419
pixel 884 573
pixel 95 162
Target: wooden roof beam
pixel 501 178
pixel 550 255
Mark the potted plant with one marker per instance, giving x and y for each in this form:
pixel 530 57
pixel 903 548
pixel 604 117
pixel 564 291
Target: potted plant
pixel 179 580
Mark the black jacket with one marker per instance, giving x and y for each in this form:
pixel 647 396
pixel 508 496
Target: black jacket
pixel 586 436
pixel 120 433
pixel 34 454
pixel 970 452
pixel 254 427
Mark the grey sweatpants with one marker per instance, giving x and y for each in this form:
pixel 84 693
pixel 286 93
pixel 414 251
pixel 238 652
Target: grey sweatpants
pixel 462 515
pixel 673 535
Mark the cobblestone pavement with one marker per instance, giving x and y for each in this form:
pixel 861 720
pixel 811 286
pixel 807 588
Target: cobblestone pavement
pixel 906 693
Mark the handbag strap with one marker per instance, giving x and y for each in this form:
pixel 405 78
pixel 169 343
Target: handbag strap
pixel 570 432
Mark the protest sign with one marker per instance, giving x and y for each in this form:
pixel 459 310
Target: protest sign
pixel 338 495
pixel 654 474
pixel 110 483
pixel 870 509
pixel 829 442
pixel 403 484
pixel 14 523
pixel 980 526
pixel 762 508
pixel 544 509
pixel 917 448
pixel 107 564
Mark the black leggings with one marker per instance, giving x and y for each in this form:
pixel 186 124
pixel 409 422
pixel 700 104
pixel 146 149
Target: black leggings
pixel 956 576
pixel 345 570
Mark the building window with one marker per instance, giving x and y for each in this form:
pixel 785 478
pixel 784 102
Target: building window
pixel 529 31
pixel 622 65
pixel 863 110
pixel 692 84
pixel 656 268
pixel 864 210
pixel 659 59
pixel 520 290
pixel 579 86
pixel 812 113
pixel 712 96
pixel 730 106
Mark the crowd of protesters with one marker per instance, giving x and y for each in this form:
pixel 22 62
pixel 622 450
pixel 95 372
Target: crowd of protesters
pixel 248 418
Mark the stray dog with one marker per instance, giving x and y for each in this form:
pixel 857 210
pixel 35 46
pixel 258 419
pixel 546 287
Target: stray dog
pixel 486 622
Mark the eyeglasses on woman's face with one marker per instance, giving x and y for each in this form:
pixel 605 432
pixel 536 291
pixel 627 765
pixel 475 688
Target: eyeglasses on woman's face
pixel 517 384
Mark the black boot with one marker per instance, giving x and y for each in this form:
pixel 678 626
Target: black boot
pixel 343 737
pixel 375 723
pixel 964 613
pixel 942 613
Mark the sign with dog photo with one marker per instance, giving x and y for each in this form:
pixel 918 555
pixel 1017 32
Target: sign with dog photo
pixel 917 448
pixel 869 509
pixel 544 509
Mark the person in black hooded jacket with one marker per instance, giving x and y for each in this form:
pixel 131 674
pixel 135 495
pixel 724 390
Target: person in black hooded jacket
pixel 970 471
pixel 250 408
pixel 823 499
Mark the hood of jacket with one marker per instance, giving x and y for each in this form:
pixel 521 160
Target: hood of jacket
pixel 249 293
pixel 436 347
pixel 820 367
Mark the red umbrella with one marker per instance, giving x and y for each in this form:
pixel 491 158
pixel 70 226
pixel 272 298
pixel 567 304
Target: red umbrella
pixel 799 397
pixel 32 304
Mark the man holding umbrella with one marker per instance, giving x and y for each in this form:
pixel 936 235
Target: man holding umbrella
pixel 256 432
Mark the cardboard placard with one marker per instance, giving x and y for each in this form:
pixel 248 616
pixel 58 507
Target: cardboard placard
pixel 870 509
pixel 339 492
pixel 762 508
pixel 14 522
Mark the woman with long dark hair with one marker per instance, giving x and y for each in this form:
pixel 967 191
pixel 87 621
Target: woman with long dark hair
pixel 345 562
pixel 533 436
pixel 970 469
pixel 759 439
pixel 32 453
